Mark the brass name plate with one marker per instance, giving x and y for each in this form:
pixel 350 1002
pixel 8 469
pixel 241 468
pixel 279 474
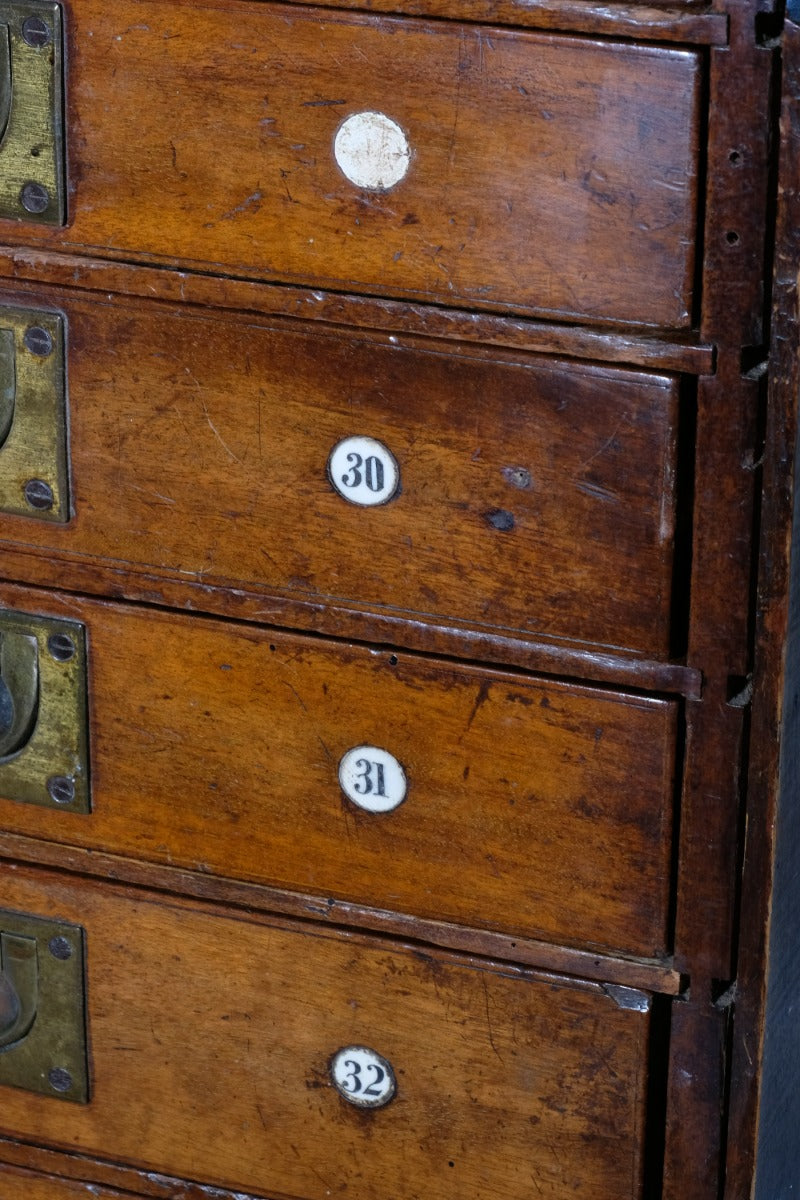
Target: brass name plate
pixel 34 464
pixel 44 752
pixel 32 168
pixel 43 1007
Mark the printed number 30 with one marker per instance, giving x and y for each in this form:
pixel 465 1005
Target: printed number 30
pixel 364 471
pixel 373 474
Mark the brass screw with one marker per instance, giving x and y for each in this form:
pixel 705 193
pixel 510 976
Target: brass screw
pixel 60 948
pixel 39 494
pixel 34 197
pixel 61 789
pixel 39 341
pixel 59 1079
pixel 36 32
pixel 61 646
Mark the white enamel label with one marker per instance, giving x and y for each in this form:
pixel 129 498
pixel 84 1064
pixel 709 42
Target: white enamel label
pixel 373 779
pixel 363 1077
pixel 372 151
pixel 363 471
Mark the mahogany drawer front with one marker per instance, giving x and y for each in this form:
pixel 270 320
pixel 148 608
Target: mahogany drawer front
pixel 531 807
pixel 544 173
pixel 211 1040
pixel 533 495
pixel 18 1184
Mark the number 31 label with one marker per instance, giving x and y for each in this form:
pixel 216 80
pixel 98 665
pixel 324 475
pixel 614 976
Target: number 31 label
pixel 363 471
pixel 363 1077
pixel 373 779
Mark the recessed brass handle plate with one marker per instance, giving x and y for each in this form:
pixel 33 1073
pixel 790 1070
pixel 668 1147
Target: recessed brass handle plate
pixel 34 471
pixel 32 174
pixel 43 1007
pixel 44 752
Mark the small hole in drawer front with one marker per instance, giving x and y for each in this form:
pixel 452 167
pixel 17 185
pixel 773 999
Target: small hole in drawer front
pixel 501 519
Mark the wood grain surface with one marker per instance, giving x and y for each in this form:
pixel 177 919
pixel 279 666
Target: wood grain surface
pixel 211 1039
pixel 25 1185
pixel 548 174
pixel 535 495
pixel 533 807
pixel 657 350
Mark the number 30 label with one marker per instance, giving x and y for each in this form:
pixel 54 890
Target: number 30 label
pixel 363 471
pixel 363 1077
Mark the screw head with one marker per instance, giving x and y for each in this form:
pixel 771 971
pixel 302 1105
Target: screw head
pixel 39 494
pixel 61 789
pixel 61 646
pixel 34 197
pixel 60 948
pixel 59 1079
pixel 39 341
pixel 36 32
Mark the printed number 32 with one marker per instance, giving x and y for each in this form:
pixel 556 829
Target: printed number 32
pixel 355 1084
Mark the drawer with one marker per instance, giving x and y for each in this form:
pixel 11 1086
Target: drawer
pixel 512 492
pixel 18 1184
pixel 490 799
pixel 212 1038
pixel 542 173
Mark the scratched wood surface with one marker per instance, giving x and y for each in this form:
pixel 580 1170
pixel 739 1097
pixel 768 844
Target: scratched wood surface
pixel 25 1185
pixel 217 747
pixel 656 350
pixel 534 495
pixel 211 1038
pixel 547 174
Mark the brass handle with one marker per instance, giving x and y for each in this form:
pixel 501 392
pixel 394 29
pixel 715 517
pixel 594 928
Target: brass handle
pixel 5 79
pixel 19 690
pixel 8 365
pixel 19 987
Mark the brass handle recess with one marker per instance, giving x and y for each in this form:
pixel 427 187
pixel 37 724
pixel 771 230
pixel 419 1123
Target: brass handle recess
pixel 43 1007
pixel 32 164
pixel 19 690
pixel 19 988
pixel 34 473
pixel 5 79
pixel 8 364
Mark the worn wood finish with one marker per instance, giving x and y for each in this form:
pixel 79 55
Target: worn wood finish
pixel 678 351
pixel 506 464
pixel 592 144
pixel 695 1126
pixel 687 21
pixel 179 208
pixel 26 1166
pixel 774 722
pixel 25 1185
pixel 727 451
pixel 509 1075
pixel 650 975
pixel 720 631
pixel 451 638
pixel 221 753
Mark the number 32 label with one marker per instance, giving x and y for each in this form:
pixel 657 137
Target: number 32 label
pixel 363 1077
pixel 364 471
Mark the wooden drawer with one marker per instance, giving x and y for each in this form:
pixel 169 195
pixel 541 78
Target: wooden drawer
pixel 212 1035
pixel 25 1185
pixel 544 173
pixel 532 495
pixel 531 807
